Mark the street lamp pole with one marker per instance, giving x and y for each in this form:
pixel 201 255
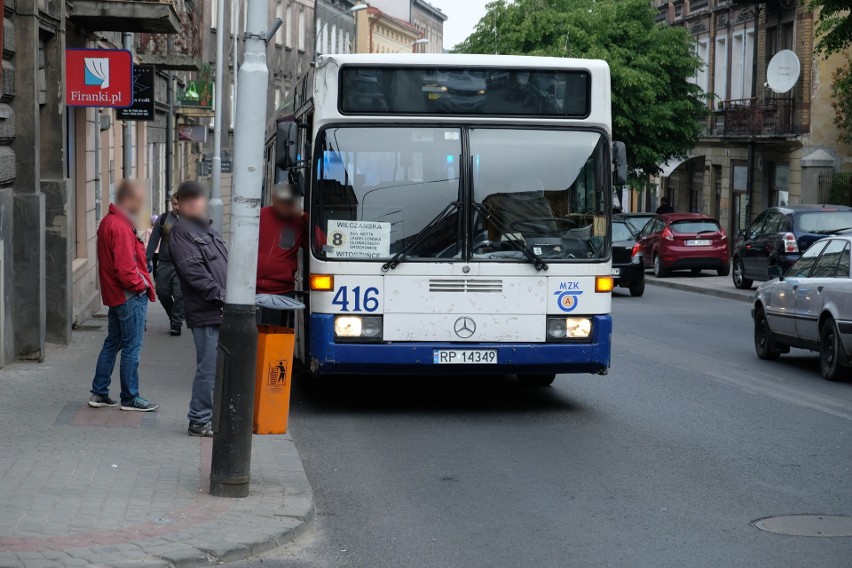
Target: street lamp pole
pixel 352 10
pixel 235 375
pixel 216 205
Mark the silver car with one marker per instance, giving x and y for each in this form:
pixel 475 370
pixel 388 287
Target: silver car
pixel 810 308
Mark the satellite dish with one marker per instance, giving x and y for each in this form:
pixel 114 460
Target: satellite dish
pixel 783 71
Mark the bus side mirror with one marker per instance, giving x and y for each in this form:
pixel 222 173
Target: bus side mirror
pixel 286 144
pixel 619 162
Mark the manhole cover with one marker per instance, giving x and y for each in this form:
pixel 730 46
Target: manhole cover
pixel 807 525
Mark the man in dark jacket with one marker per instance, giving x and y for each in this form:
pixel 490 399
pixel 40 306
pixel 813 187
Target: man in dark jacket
pixel 165 275
pixel 126 289
pixel 201 260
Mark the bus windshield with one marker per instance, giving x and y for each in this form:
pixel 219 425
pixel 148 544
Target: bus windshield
pixel 383 190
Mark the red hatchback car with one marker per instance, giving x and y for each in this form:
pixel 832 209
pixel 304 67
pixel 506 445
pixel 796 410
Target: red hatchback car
pixel 684 241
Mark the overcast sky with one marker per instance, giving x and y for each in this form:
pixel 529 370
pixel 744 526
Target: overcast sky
pixel 463 16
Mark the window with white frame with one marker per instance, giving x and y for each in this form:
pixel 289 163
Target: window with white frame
pixel 333 47
pixel 720 69
pixel 279 13
pixel 742 56
pixel 702 50
pixel 288 26
pixel 302 29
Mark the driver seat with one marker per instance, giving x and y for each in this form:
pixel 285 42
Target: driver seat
pixel 526 202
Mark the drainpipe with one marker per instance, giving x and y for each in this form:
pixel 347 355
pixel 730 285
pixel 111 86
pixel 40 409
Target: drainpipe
pixel 216 206
pixel 127 150
pixel 98 165
pixel 751 144
pixel 170 140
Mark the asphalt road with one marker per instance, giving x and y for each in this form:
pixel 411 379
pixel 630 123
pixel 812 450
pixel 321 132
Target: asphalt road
pixel 665 462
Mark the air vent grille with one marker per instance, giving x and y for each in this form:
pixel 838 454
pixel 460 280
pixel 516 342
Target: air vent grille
pixel 466 286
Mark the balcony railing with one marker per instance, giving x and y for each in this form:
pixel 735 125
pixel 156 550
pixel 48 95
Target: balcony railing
pixel 180 51
pixel 753 117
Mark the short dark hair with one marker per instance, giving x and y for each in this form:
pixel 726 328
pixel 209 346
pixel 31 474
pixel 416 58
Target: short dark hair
pixel 125 190
pixel 190 190
pixel 664 200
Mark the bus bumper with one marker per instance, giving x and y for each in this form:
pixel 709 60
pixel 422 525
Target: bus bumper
pixel 415 358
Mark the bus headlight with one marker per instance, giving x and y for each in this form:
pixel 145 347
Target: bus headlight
pixel 355 328
pixel 566 329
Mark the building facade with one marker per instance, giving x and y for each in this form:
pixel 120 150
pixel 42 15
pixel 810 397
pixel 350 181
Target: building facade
pixel 335 26
pixel 59 165
pixel 379 32
pixel 430 21
pixel 759 148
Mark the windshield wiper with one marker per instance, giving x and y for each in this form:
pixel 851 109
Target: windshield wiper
pixel 515 242
pixel 835 231
pixel 420 237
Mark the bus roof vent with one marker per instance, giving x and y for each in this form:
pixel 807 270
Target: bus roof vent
pixel 467 286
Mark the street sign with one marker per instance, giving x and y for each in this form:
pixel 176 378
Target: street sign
pixel 198 94
pixel 143 95
pixel 192 133
pixel 98 78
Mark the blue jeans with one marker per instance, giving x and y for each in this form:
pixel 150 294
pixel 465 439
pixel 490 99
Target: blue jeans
pixel 125 333
pixel 206 347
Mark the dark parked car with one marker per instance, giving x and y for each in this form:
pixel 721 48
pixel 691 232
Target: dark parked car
pixel 684 241
pixel 627 269
pixel 780 235
pixel 636 220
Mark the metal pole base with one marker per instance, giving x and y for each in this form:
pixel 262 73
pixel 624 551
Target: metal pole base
pixel 233 406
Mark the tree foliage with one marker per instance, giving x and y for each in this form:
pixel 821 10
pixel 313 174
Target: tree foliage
pixel 841 91
pixel 834 31
pixel 834 26
pixel 657 112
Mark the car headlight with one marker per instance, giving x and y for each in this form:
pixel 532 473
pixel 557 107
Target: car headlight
pixel 567 329
pixel 358 328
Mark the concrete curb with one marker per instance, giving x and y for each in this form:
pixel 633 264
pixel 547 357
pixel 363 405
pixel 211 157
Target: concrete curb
pixel 727 294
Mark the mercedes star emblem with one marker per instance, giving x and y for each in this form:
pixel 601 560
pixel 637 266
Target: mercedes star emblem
pixel 465 327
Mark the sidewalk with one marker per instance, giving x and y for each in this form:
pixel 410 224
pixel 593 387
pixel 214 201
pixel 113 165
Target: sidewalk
pixel 103 487
pixel 705 283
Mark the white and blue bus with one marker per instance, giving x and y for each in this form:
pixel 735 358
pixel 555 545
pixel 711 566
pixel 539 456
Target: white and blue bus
pixel 460 209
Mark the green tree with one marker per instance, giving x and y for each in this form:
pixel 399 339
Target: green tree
pixel 834 31
pixel 657 112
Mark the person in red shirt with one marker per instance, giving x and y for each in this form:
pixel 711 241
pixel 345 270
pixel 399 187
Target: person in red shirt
pixel 126 289
pixel 283 231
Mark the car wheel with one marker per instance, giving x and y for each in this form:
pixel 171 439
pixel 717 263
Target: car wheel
pixel 724 271
pixel 764 345
pixel 537 381
pixel 831 354
pixel 659 270
pixel 637 289
pixel 738 276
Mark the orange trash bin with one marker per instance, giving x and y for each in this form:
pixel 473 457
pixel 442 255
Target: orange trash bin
pixel 272 384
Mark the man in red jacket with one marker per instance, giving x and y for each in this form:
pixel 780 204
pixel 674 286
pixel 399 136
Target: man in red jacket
pixel 282 234
pixel 126 288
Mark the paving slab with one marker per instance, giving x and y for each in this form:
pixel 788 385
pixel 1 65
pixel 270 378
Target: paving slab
pixel 103 487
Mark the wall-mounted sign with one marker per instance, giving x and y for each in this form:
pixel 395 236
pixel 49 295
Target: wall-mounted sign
pixel 192 133
pixel 197 94
pixel 98 78
pixel 143 95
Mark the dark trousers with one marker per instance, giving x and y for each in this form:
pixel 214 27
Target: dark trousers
pixel 169 293
pixel 206 347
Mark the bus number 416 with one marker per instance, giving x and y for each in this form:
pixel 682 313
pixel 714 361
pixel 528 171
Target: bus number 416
pixel 368 302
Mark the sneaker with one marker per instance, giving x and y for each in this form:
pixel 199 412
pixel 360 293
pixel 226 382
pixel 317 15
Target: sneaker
pixel 139 404
pixel 175 331
pixel 101 400
pixel 200 429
